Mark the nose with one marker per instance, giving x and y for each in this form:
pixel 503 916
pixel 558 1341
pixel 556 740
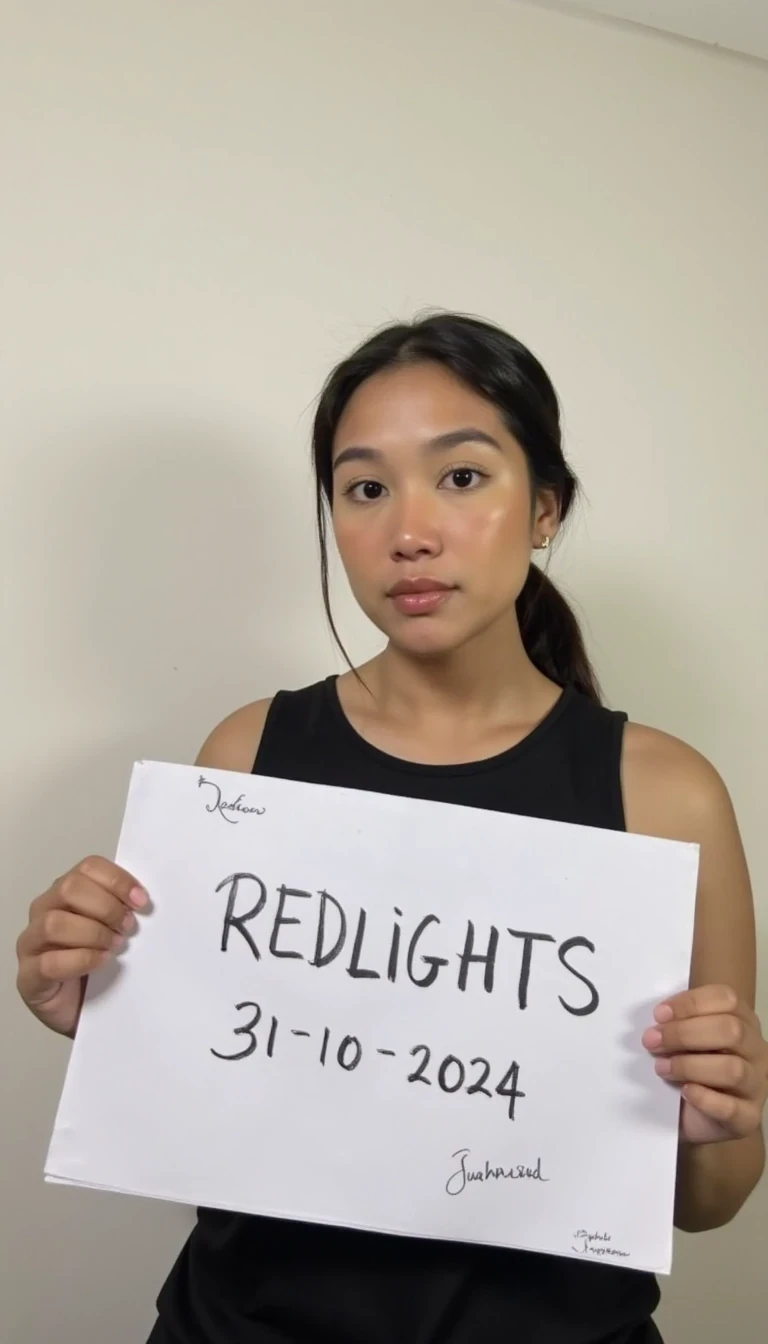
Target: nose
pixel 416 535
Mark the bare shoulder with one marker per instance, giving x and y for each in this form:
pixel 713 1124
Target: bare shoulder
pixel 234 742
pixel 674 792
pixel 670 789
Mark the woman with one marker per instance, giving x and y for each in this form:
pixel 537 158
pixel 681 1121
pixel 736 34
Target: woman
pixel 437 448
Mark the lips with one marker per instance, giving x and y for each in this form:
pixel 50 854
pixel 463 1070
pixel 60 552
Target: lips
pixel 425 585
pixel 419 597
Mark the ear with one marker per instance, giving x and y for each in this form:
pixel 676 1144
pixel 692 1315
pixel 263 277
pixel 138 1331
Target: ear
pixel 546 518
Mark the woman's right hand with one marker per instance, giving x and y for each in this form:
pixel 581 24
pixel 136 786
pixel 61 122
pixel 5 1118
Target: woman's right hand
pixel 74 927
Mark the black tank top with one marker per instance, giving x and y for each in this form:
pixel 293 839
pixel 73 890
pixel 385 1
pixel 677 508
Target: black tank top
pixel 250 1280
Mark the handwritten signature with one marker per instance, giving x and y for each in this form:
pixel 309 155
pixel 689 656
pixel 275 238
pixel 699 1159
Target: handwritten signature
pixel 218 803
pixel 597 1244
pixel 463 1175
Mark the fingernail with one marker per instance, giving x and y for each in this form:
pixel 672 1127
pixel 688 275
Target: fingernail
pixel 138 897
pixel 663 1013
pixel 129 923
pixel 663 1067
pixel 118 941
pixel 652 1038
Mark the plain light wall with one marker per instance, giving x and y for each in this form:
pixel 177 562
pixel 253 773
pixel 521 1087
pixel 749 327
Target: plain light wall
pixel 205 205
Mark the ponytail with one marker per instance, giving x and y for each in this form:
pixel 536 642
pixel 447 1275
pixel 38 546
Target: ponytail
pixel 552 637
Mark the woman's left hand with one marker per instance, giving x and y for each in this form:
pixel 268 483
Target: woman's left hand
pixel 710 1042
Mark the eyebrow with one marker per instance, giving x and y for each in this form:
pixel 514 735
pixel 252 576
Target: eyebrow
pixel 440 444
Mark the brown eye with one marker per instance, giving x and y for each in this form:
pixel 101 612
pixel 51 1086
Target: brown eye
pixel 364 492
pixel 462 478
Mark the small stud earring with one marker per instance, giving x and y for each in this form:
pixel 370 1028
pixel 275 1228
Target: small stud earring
pixel 545 544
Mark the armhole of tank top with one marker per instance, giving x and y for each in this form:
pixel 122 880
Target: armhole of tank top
pixel 619 721
pixel 267 733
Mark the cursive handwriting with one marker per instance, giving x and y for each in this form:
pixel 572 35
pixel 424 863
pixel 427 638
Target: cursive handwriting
pixel 461 1178
pixel 218 804
pixel 597 1244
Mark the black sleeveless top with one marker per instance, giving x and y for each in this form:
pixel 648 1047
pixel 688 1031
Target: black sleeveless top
pixel 250 1280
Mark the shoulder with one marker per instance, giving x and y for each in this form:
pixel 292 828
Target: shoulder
pixel 675 793
pixel 670 789
pixel 234 742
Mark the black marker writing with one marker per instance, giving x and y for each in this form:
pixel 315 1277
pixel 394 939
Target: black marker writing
pixel 322 934
pixel 281 919
pixel 354 969
pixel 452 1075
pixel 487 959
pixel 394 950
pixel 434 963
pixel 525 965
pixel 595 997
pixel 233 921
pixel 323 957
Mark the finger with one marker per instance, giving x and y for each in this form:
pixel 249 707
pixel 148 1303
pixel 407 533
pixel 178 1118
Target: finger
pixel 116 880
pixel 63 929
pixel 726 1073
pixel 37 974
pixel 120 885
pixel 704 1000
pixel 81 896
pixel 738 1116
pixel 703 1033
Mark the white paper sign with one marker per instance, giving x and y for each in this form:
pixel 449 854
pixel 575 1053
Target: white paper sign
pixel 386 1013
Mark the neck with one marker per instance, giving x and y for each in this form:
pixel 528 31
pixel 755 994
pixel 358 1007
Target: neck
pixel 490 674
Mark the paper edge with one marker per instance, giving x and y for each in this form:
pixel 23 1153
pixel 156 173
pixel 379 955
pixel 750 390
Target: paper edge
pixel 281 1215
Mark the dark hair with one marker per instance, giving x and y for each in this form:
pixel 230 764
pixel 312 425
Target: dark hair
pixel 505 373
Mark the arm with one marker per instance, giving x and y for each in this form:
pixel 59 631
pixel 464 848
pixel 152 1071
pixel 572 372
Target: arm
pixel 710 1040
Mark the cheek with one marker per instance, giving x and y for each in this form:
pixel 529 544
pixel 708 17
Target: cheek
pixel 356 543
pixel 495 526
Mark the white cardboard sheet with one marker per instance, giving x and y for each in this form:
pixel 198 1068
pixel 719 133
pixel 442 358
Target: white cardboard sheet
pixel 385 1013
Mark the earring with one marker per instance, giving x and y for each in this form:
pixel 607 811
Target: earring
pixel 545 544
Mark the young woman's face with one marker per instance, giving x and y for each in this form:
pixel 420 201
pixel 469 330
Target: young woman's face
pixel 432 508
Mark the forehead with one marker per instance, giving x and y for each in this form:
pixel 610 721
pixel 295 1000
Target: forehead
pixel 411 404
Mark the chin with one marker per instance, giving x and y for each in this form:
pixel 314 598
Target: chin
pixel 422 637
pixel 440 636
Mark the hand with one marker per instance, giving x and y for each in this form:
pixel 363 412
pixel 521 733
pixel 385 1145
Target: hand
pixel 710 1042
pixel 74 927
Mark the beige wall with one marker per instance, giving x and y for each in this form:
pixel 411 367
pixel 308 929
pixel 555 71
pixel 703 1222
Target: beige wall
pixel 205 204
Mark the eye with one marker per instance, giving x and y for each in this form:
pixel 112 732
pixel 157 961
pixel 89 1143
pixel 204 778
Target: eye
pixel 463 478
pixel 364 492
